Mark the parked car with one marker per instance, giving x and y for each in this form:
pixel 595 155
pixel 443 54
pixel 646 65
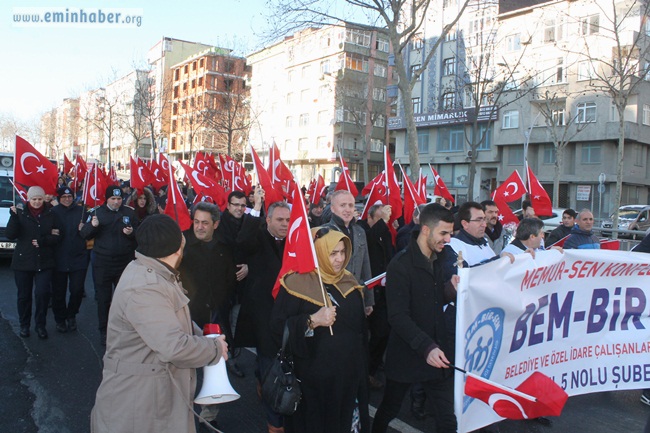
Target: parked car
pixel 630 217
pixel 550 222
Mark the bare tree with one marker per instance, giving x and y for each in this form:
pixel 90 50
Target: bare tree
pixel 621 25
pixel 492 77
pixel 152 106
pixel 561 129
pixel 403 20
pixel 228 114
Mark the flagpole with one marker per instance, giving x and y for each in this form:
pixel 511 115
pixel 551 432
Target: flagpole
pixel 343 167
pixel 15 147
pixel 368 200
pixel 387 180
pixel 173 187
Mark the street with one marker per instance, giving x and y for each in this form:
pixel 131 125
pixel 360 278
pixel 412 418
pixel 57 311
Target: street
pixel 48 386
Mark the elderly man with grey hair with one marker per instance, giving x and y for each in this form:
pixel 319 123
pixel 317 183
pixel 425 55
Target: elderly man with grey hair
pixel 529 236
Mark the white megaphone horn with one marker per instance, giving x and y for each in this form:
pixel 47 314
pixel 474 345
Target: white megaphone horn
pixel 216 388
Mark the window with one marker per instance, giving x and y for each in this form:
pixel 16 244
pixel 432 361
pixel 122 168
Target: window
pixel 613 112
pixel 201 63
pixel 558 117
pixel 638 155
pixel 586 112
pixel 448 101
pixel 288 144
pixel 382 45
pixel 510 119
pixel 450 139
pixel 288 122
pixel 417 105
pixel 516 155
pixel 449 66
pixel 417 42
pixel 591 154
pixel 485 137
pixel 325 67
pixel 646 114
pixel 321 142
pixel 323 117
pixel 589 25
pixel 380 70
pixel 414 69
pixel 303 144
pixel 289 98
pixel 380 121
pixel 553 31
pixel 306 70
pixel 376 145
pixel 290 75
pixel 586 71
pixel 323 90
pixel 379 94
pixel 355 62
pixel 304 119
pixel 549 154
pixel 304 95
pixel 553 72
pixel 513 42
pixel 451 35
pixel 358 37
pixel 423 141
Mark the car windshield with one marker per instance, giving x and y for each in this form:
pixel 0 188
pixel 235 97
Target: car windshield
pixel 6 192
pixel 629 214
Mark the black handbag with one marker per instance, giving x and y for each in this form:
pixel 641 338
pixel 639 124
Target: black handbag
pixel 280 386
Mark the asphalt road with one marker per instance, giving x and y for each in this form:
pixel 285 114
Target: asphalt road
pixel 49 386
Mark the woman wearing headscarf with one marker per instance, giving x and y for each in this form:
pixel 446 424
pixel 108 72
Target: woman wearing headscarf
pixel 143 202
pixel 332 368
pixel 36 232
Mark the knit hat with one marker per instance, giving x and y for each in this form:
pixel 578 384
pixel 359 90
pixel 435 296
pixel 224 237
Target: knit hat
pixel 158 236
pixel 63 191
pixel 35 191
pixel 113 191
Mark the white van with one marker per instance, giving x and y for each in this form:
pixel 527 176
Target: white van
pixel 6 200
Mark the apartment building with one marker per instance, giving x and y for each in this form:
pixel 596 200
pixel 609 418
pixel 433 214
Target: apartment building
pixel 59 130
pixel 518 73
pixel 209 109
pixel 319 92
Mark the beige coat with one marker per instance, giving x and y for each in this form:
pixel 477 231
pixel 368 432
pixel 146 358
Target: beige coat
pixel 152 351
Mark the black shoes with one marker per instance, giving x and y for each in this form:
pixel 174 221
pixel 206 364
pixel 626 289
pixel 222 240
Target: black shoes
pixel 42 333
pixel 234 368
pixel 62 327
pixel 72 324
pixel 24 331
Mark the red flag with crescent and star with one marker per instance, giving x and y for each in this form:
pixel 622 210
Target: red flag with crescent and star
pixel 94 187
pixel 67 164
pixel 440 187
pixel 299 254
pixel 511 189
pixel 411 197
pixel 280 174
pixel 535 397
pixel 141 176
pixel 345 181
pixel 175 206
pixel 206 187
pixel 271 195
pixel 539 198
pixel 33 169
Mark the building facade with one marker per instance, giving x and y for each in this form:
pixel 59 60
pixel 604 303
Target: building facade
pixel 319 92
pixel 210 110
pixel 531 73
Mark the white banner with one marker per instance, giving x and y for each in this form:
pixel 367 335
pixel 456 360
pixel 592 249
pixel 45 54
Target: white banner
pixel 581 318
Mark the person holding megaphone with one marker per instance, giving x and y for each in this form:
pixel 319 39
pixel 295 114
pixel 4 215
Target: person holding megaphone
pixel 152 346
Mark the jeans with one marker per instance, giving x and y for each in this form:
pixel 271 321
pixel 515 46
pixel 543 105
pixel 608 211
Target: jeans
pixel 41 283
pixel 440 392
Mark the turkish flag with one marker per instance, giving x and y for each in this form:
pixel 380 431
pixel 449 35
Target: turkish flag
pixel 241 182
pixel 80 170
pixel 345 181
pixel 411 198
pixel 227 168
pixel 141 176
pixel 271 195
pixel 67 164
pixel 539 198
pixel 214 167
pixel 112 177
pixel 175 206
pixel 377 180
pixel 94 187
pixel 33 169
pixel 421 187
pixel 440 187
pixel 316 190
pixel 206 187
pixel 537 396
pixel 199 163
pixel 280 174
pixel 505 213
pixel 299 254
pixel 377 195
pixel 511 189
pixel 160 176
pixel 167 168
pixel 379 280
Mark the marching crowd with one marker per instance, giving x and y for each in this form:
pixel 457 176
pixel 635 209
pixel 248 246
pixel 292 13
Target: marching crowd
pixel 156 287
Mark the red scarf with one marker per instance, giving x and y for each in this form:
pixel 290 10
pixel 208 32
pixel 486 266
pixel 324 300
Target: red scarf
pixel 35 212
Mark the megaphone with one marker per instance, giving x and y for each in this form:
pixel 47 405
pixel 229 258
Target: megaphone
pixel 216 388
